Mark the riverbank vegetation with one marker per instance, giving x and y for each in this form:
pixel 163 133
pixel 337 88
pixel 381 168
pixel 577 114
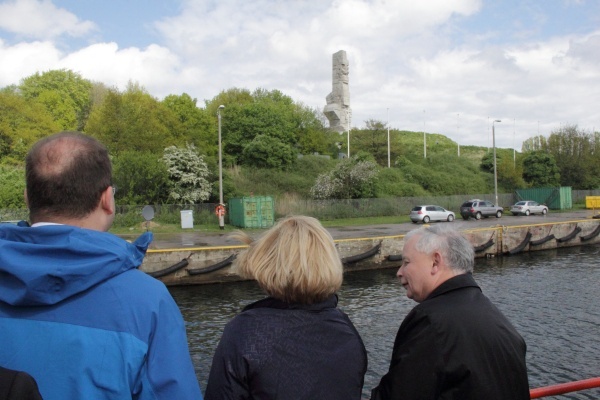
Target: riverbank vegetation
pixel 165 151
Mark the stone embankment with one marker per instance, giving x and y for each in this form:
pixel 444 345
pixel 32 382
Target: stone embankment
pixel 190 259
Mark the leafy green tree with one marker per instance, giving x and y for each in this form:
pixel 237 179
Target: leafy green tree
pixel 198 127
pixel 352 178
pixel 510 174
pixel 313 136
pixel 22 123
pixel 64 93
pixel 372 139
pixel 270 113
pixel 12 187
pixel 540 170
pixel 574 152
pixel 188 175
pixel 268 152
pixel 487 162
pixel 134 120
pixel 141 178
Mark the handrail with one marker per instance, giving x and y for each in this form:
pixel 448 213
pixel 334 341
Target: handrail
pixel 562 388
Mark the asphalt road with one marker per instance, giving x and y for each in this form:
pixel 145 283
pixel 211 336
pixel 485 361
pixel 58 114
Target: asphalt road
pixel 197 239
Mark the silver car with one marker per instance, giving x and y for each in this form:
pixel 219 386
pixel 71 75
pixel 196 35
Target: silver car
pixel 428 213
pixel 527 207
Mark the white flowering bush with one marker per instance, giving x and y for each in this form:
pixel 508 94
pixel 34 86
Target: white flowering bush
pixel 352 178
pixel 188 173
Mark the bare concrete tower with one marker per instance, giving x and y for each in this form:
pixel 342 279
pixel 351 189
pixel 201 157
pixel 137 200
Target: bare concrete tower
pixel 337 109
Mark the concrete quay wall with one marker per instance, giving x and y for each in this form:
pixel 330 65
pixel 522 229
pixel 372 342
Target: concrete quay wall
pixel 211 264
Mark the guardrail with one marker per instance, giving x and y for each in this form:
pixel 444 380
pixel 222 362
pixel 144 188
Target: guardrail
pixel 563 388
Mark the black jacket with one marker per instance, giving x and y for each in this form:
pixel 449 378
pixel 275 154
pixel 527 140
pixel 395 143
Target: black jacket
pixel 17 385
pixel 274 350
pixel 456 345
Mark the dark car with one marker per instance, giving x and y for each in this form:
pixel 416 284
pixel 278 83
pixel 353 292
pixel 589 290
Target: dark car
pixel 477 209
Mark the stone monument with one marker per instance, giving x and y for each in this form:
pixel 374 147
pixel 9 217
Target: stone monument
pixel 337 109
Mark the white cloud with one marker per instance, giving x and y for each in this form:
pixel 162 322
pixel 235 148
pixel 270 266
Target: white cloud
pixel 419 60
pixel 40 19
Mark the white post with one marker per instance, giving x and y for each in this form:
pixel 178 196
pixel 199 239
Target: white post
pixel 388 135
pixel 221 216
pixel 348 120
pixel 495 169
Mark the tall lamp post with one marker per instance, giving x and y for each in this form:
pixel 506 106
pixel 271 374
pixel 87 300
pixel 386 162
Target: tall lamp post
pixel 424 138
pixel 495 169
pixel 388 129
pixel 348 121
pixel 221 215
pixel 457 135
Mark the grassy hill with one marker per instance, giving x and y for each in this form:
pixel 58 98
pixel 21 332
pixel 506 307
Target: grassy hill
pixel 442 172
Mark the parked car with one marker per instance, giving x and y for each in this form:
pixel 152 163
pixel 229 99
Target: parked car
pixel 527 207
pixel 428 213
pixel 478 208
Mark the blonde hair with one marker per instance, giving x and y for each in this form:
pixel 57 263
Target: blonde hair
pixel 295 261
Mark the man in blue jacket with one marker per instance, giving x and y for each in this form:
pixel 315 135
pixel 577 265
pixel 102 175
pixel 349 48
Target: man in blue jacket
pixel 75 312
pixel 455 344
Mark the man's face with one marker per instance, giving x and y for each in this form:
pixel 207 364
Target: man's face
pixel 415 273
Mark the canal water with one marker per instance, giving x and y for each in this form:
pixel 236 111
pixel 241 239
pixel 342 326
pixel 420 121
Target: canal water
pixel 552 297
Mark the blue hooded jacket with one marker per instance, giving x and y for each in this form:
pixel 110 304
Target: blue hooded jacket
pixel 77 314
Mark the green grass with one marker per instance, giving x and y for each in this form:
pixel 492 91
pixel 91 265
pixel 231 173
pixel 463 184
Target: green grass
pixel 214 228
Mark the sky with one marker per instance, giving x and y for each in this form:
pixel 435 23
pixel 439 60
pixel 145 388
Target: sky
pixel 439 66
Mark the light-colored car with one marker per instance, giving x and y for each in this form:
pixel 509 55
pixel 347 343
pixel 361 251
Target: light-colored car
pixel 426 213
pixel 527 207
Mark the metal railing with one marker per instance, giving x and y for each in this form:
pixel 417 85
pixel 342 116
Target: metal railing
pixel 563 388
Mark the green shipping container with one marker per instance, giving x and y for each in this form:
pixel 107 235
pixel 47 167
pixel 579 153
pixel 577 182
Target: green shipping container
pixel 252 212
pixel 558 198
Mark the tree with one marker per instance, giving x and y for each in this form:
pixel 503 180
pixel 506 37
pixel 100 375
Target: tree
pixel 198 127
pixel 373 139
pixel 22 123
pixel 12 187
pixel 574 152
pixel 268 152
pixel 141 177
pixel 352 178
pixel 134 120
pixel 188 173
pixel 64 93
pixel 540 170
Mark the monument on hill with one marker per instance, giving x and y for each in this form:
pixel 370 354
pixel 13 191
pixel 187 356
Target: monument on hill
pixel 337 109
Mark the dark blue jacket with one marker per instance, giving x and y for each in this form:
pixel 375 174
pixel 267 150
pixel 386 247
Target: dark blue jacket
pixel 273 350
pixel 77 314
pixel 456 345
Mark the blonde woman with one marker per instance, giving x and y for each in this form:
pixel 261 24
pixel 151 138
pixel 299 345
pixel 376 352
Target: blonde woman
pixel 294 344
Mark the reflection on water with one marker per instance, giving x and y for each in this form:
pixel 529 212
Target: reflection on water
pixel 551 297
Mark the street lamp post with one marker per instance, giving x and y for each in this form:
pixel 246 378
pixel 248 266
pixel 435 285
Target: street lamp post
pixel 457 135
pixel 388 129
pixel 495 169
pixel 424 138
pixel 221 216
pixel 348 121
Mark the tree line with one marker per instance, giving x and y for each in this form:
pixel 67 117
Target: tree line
pixel 166 151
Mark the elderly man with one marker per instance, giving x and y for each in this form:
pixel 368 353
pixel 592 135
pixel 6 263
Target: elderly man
pixel 455 344
pixel 75 312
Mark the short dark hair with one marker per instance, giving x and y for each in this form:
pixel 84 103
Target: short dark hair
pixel 66 174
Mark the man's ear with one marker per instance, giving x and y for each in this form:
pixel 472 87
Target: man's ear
pixel 437 262
pixel 107 203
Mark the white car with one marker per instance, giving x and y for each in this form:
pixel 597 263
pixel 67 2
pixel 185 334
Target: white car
pixel 527 207
pixel 428 213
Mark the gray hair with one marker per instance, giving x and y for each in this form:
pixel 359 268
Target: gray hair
pixel 453 246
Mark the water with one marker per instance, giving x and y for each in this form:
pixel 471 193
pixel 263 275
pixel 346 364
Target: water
pixel 551 297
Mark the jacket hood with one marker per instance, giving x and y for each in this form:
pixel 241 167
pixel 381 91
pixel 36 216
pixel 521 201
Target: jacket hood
pixel 47 264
